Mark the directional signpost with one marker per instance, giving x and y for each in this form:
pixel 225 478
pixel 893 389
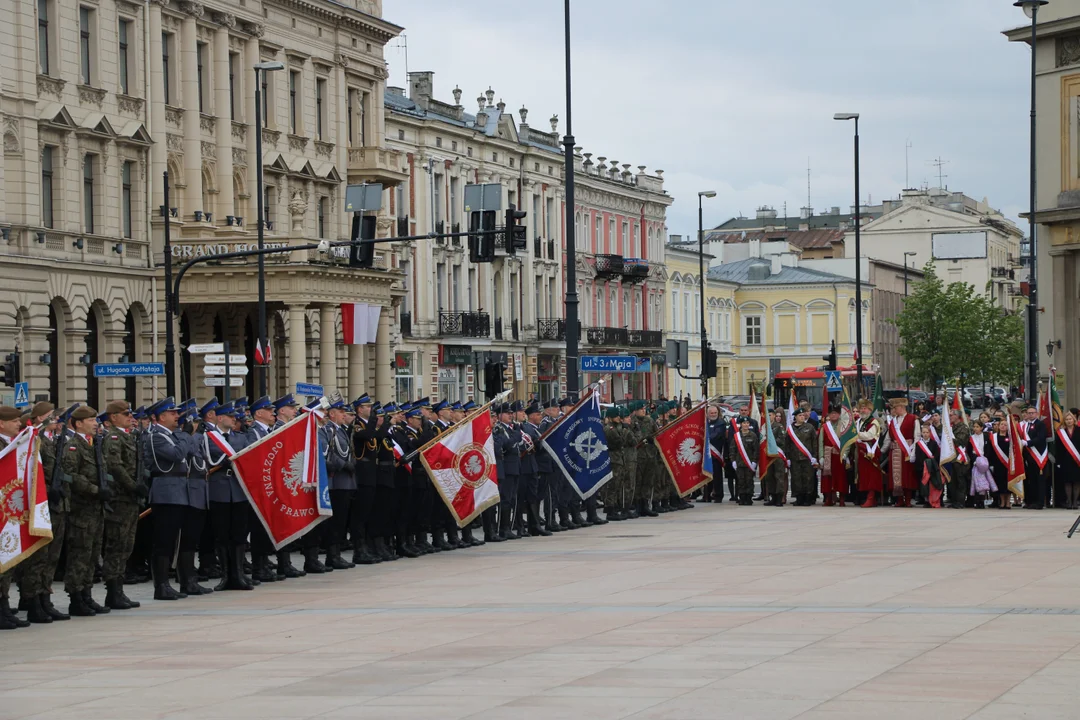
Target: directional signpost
pixel 226 369
pixel 220 362
pixel 220 382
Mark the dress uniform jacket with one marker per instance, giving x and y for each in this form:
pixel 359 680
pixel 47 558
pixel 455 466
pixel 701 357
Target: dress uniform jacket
pixel 365 447
pixel 221 480
pixel 339 459
pixel 167 459
pixel 529 464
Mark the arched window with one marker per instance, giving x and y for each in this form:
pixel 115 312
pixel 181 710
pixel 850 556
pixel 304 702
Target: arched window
pixel 613 311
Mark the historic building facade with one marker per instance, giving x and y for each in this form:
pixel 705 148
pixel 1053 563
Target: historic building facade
pixel 93 119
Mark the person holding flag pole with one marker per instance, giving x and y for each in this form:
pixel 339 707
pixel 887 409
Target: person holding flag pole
pixel 801 437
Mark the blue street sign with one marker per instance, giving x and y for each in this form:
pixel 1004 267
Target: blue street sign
pixel 128 369
pixel 22 394
pixel 615 364
pixel 309 389
pixel 832 381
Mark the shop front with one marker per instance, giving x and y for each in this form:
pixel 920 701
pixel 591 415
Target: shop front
pixel 454 372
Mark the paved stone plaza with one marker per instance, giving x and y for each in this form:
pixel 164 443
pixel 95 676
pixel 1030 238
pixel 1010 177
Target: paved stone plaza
pixel 715 612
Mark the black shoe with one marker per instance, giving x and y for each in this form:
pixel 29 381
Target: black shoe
pixel 406 550
pixel 93 604
pixel 260 569
pixel 576 521
pixel 383 551
pixel 312 564
pixel 286 568
pixel 421 543
pixel 593 518
pixel 334 559
pixel 648 511
pixel 535 528
pixel 467 536
pixel 361 556
pixel 78 607
pixel 35 613
pixel 114 595
pixel 46 602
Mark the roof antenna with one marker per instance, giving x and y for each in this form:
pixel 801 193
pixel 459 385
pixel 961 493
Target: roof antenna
pixel 907 178
pixel 939 163
pixel 808 203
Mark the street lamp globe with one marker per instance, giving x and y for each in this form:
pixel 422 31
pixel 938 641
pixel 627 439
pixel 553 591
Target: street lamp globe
pixel 1030 6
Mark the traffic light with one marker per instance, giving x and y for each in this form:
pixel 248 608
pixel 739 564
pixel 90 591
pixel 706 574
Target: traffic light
pixel 709 368
pixel 362 254
pixel 481 246
pixel 11 369
pixel 516 234
pixel 830 359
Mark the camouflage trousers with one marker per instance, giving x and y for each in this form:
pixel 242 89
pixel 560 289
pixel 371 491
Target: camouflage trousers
pixel 744 481
pixel 120 529
pixel 628 484
pixel 609 493
pixel 84 545
pixel 803 478
pixel 775 481
pixel 39 569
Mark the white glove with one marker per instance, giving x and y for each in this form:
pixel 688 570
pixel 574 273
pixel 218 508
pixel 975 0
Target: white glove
pixel 734 465
pixel 753 466
pixel 814 462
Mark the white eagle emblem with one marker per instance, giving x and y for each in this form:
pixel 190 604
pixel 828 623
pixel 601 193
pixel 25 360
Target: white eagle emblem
pixel 473 467
pixel 588 446
pixel 294 475
pixel 14 505
pixel 689 452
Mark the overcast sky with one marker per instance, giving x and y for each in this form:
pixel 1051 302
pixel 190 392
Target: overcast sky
pixel 737 97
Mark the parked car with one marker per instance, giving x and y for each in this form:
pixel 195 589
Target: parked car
pixel 965 396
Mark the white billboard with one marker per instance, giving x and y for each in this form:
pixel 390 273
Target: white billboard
pixel 958 245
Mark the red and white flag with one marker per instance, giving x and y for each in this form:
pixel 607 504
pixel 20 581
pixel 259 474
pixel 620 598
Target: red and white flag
pixel 280 476
pixel 462 466
pixel 399 453
pixel 262 357
pixel 359 323
pixel 25 524
pixel 682 449
pixel 1016 458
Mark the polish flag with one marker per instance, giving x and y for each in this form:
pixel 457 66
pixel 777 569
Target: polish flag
pixel 462 467
pixel 261 357
pixel 359 323
pixel 399 453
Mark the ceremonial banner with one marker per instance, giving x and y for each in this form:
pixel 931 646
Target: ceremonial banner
pixel 462 465
pixel 1050 407
pixel 1016 459
pixel 25 524
pixel 682 448
pixel 281 476
pixel 768 450
pixel 947 446
pixel 578 445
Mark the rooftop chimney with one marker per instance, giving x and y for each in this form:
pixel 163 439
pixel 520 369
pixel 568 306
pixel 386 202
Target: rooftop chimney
pixel 420 87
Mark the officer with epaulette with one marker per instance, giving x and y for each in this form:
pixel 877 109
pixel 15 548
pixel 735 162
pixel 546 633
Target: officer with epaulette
pixel 443 528
pixel 342 481
pixel 552 498
pixel 365 450
pixel 423 492
pixel 166 456
pixel 396 440
pixel 209 567
pixel 508 466
pixel 410 430
pixel 285 408
pixel 118 446
pixel 229 507
pixel 530 470
pixel 138 569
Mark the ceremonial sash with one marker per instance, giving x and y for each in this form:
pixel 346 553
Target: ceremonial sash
pixel 975 446
pixel 933 434
pixel 1039 458
pixel 742 450
pixel 1002 456
pixel 222 444
pixel 1067 443
pixel 830 434
pixel 871 449
pixel 961 456
pixel 926 451
pixel 798 443
pixel 898 438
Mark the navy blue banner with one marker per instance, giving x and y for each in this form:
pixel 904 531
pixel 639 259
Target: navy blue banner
pixel 578 446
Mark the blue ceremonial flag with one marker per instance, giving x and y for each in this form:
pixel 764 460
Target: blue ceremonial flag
pixel 578 446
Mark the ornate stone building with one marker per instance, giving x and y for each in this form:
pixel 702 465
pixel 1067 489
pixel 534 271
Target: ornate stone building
pixel 99 99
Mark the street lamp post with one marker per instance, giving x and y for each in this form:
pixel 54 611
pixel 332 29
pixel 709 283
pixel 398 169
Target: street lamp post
pixel 907 380
pixel 701 291
pixel 858 259
pixel 1031 9
pixel 170 348
pixel 259 68
pixel 572 331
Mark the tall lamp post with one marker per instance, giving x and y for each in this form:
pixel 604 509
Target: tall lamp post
pixel 701 291
pixel 572 330
pixel 260 69
pixel 907 380
pixel 858 259
pixel 1031 9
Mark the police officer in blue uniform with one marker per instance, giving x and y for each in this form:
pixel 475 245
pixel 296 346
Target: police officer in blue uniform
pixel 365 448
pixel 167 452
pixel 530 470
pixel 340 474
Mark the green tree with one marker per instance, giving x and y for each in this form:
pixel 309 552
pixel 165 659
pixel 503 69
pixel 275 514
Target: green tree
pixel 921 328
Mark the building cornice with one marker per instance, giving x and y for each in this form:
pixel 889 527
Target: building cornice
pixel 342 16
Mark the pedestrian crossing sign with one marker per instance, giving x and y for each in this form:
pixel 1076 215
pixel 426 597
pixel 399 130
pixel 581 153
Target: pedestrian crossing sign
pixel 832 381
pixel 22 394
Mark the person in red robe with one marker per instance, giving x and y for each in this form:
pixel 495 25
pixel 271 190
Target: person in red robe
pixel 868 453
pixel 899 449
pixel 834 483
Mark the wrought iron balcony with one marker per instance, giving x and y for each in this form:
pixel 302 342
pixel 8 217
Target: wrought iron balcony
pixel 607 336
pixel 635 270
pixel 498 329
pixel 609 266
pixel 551 329
pixel 406 324
pixel 465 324
pixel 455 228
pixel 645 338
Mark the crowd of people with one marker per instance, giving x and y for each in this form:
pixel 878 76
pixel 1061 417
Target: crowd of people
pixel 149 494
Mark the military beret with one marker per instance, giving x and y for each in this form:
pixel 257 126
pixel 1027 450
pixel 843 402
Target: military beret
pixel 612 412
pixel 42 408
pixel 624 411
pixel 117 407
pixel 8 413
pixel 83 413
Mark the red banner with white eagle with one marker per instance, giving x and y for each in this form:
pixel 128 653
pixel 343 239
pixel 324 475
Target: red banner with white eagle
pixel 683 448
pixel 25 524
pixel 280 476
pixel 461 463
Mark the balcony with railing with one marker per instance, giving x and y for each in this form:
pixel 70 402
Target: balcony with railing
pixel 609 266
pixel 455 228
pixel 635 270
pixel 465 324
pixel 551 249
pixel 607 337
pixel 551 329
pixel 538 247
pixel 645 338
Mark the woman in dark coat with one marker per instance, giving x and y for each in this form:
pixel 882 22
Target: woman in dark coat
pixel 999 462
pixel 1067 460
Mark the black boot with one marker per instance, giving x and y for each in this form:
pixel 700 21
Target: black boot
pixel 235 575
pixel 576 521
pixel 35 612
pixel 404 549
pixel 93 604
pixel 591 516
pixel 491 532
pixel 361 555
pixel 162 589
pixel 260 569
pixel 312 564
pixel 422 544
pixel 209 568
pixel 186 577
pixel 46 602
pixel 382 551
pixel 114 595
pixel 77 605
pixel 334 559
pixel 646 510
pixel 453 538
pixel 535 528
pixel 468 536
pixel 285 567
pixel 614 512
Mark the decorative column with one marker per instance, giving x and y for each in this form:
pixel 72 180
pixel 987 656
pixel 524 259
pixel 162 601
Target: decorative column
pixel 383 388
pixel 357 368
pixel 223 110
pixel 189 85
pixel 328 347
pixel 156 110
pixel 297 345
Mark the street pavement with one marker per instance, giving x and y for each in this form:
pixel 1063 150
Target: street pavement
pixel 715 612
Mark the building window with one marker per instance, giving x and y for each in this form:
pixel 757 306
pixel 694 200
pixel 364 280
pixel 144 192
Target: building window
pixel 125 197
pixel 752 324
pixel 47 186
pixel 320 115
pixel 455 216
pixel 624 245
pixel 438 142
pixel 323 211
pixel 88 193
pixel 400 134
pixel 234 65
pixel 43 36
pixel 468 152
pixel 294 90
pixel 453 145
pixel 436 194
pixel 599 232
pixel 123 30
pixel 268 207
pixel 200 73
pixel 511 162
pixel 675 311
pixel 86 16
pixel 267 99
pixel 166 70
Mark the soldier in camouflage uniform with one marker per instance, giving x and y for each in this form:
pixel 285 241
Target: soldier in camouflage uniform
pixel 745 468
pixel 79 460
pixel 616 441
pixel 803 468
pixel 960 486
pixel 648 458
pixel 774 485
pixel 120 524
pixel 628 487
